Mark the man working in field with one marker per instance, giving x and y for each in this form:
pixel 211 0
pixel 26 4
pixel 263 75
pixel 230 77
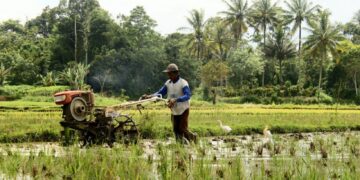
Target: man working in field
pixel 178 95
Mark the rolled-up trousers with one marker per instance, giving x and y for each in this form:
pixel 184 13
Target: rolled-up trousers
pixel 180 126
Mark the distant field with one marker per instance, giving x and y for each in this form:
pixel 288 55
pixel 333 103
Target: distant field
pixel 38 122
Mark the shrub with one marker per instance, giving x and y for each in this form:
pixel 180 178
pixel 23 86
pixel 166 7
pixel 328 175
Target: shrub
pixel 266 100
pixel 275 99
pixel 288 84
pixel 294 90
pixel 230 92
pixel 46 91
pixel 251 99
pixel 231 100
pixel 263 91
pixel 15 92
pixel 49 79
pixel 75 75
pixel 21 91
pixel 357 100
pixel 324 98
pixel 310 91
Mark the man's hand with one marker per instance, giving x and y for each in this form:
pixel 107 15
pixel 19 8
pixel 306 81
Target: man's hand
pixel 146 96
pixel 171 102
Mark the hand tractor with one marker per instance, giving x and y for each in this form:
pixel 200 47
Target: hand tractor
pixel 94 124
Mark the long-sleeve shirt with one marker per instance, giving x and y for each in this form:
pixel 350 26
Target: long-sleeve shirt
pixel 180 90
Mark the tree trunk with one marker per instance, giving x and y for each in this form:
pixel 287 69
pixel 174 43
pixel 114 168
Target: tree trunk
pixel 237 35
pixel 280 73
pixel 86 37
pixel 235 42
pixel 221 52
pixel 264 35
pixel 241 80
pixel 75 33
pixel 102 87
pixel 299 41
pixel 86 45
pixel 263 78
pixel 320 77
pixel 214 96
pixel 263 74
pixel 198 51
pixel 355 84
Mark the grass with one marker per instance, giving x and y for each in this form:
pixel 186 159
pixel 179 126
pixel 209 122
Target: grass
pixel 175 161
pixel 46 103
pixel 36 118
pixel 28 126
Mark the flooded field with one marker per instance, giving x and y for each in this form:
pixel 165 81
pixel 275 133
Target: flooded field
pixel 301 155
pixel 30 146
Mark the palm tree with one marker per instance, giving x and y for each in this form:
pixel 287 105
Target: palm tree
pixel 196 41
pixel 322 40
pixel 280 47
pixel 218 37
pixel 297 12
pixel 263 14
pixel 236 17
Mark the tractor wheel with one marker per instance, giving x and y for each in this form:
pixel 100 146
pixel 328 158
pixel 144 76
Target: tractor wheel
pixel 86 139
pixel 127 132
pixel 76 110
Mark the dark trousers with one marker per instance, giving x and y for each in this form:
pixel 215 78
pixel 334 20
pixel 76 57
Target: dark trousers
pixel 180 126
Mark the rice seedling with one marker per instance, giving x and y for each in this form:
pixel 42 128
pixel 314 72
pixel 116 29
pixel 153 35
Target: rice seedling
pixel 291 156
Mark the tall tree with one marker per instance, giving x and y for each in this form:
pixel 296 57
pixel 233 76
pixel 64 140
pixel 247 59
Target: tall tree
pixel 264 13
pixel 352 28
pixel 79 11
pixel 322 40
pixel 137 62
pixel 12 26
pixel 218 38
pixel 297 12
pixel 139 27
pixel 177 53
pixel 45 22
pixel 280 47
pixel 246 64
pixel 196 40
pixel 237 16
pixel 351 62
pixel 212 74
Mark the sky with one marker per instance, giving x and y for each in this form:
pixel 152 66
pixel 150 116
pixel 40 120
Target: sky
pixel 169 14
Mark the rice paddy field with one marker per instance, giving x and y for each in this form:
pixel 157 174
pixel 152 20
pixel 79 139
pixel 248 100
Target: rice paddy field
pixel 309 142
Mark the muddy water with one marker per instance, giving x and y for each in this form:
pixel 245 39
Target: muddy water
pixel 252 150
pixel 252 147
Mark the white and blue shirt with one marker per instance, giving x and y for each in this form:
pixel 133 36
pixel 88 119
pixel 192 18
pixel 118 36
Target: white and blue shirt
pixel 179 90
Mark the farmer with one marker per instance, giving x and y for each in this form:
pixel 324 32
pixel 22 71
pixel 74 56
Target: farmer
pixel 178 95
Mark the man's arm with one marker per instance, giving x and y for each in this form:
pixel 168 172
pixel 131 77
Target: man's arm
pixel 162 91
pixel 186 96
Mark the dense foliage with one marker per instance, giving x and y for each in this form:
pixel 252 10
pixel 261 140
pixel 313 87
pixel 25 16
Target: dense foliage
pixel 248 48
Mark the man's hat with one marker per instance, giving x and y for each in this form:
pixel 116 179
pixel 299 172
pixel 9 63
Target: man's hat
pixel 171 68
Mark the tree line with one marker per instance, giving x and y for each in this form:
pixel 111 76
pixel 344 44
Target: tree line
pixel 259 48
